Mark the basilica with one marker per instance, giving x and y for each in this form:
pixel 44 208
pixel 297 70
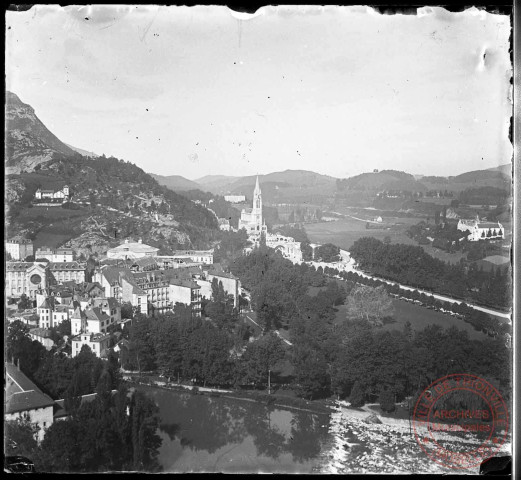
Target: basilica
pixel 251 218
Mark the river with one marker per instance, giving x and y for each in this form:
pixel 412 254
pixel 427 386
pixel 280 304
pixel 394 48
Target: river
pixel 215 434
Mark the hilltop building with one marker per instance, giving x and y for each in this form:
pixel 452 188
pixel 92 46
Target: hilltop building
pixel 251 218
pixel 481 230
pixel 235 198
pixel 19 248
pixel 53 196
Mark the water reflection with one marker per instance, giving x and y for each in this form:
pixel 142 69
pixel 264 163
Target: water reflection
pixel 202 433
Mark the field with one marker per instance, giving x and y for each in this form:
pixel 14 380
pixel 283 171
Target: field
pixel 420 317
pixel 346 231
pixel 51 213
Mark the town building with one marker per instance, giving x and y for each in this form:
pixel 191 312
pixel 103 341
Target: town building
pixel 97 342
pixel 183 257
pixel 231 284
pixel 251 218
pixel 67 271
pixel 235 198
pixel 23 399
pixel 44 311
pixel 25 278
pixel 57 255
pixel 42 335
pixel 19 248
pixel 132 250
pixel 481 230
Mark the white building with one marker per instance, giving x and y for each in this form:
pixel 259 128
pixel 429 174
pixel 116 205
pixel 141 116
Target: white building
pixel 235 198
pixel 183 257
pixel 481 230
pixel 132 250
pixel 58 255
pixel 53 195
pixel 19 248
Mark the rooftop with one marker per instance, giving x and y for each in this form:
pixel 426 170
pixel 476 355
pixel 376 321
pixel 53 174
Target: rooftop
pixel 66 266
pixel 21 394
pixel 40 332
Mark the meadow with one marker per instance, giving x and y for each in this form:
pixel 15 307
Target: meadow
pixel 346 231
pixel 419 317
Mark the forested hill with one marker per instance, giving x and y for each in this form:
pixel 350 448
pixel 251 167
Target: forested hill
pixel 112 199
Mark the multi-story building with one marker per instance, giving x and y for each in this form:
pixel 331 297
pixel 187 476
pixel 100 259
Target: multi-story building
pixel 67 271
pixel 44 311
pixel 231 284
pixel 78 321
pixel 110 307
pixel 19 248
pixel 25 277
pixel 97 342
pixel 59 255
pixel 187 292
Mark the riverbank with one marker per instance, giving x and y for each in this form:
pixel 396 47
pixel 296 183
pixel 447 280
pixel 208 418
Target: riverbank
pixel 276 401
pixel 387 447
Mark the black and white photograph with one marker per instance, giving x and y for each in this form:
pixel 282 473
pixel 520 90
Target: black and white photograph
pixel 266 241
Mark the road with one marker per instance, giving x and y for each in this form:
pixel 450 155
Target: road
pixel 347 264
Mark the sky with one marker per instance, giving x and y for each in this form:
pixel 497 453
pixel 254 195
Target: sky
pixel 197 91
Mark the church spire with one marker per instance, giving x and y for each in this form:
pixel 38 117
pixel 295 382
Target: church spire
pixel 257 187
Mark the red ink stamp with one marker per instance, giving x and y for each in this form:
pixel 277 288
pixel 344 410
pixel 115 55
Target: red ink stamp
pixel 460 421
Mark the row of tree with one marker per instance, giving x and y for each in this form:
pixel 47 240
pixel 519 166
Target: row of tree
pixel 412 266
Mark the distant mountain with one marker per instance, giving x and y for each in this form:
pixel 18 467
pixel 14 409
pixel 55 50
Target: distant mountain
pixel 85 153
pixel 382 180
pixel 177 183
pixel 28 142
pixel 215 182
pixel 504 169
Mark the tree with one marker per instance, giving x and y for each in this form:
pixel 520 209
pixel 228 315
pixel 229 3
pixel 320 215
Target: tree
pixel 386 401
pixel 261 357
pixel 357 396
pixel 25 302
pixel 21 437
pixel 371 304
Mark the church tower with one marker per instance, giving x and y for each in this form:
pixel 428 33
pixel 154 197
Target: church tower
pixel 257 206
